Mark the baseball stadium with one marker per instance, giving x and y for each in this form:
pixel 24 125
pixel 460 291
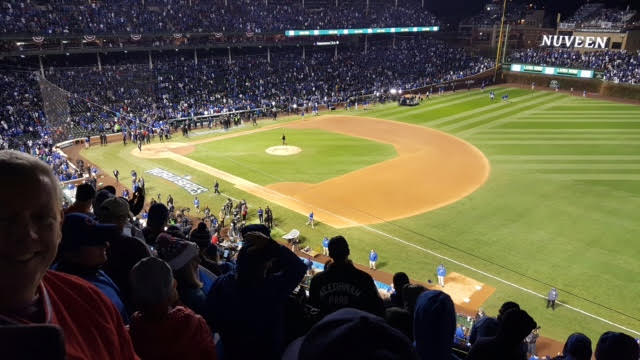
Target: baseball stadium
pixel 291 179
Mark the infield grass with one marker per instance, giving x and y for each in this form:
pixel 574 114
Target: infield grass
pixel 559 208
pixel 324 155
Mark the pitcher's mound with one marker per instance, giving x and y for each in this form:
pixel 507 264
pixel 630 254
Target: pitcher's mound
pixel 283 150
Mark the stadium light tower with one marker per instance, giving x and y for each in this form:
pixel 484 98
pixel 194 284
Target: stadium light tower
pixel 504 9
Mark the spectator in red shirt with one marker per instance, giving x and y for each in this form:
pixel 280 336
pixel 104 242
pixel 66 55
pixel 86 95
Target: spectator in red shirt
pixel 159 330
pixel 31 218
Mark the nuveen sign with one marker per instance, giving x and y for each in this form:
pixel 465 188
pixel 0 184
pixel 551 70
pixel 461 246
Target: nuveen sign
pixel 589 42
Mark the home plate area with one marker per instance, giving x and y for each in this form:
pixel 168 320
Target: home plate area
pixel 467 293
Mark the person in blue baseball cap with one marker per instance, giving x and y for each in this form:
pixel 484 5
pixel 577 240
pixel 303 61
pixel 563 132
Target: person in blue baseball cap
pixel 83 252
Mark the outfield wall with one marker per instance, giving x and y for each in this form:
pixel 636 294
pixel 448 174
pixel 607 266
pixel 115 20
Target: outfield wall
pixel 604 88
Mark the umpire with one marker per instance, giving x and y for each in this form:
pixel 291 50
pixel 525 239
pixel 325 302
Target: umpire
pixel 551 298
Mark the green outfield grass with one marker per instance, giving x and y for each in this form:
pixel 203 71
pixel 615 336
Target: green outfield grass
pixel 324 156
pixel 559 208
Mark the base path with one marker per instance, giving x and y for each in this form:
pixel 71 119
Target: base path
pixel 432 169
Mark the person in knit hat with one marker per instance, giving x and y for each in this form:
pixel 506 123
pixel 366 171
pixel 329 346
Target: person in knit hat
pixel 351 334
pixel 514 326
pixel 617 346
pixel 156 222
pixel 201 236
pixel 400 279
pixel 255 330
pixel 184 259
pixel 434 325
pixel 160 330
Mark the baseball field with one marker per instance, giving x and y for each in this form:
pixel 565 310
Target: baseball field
pixel 521 196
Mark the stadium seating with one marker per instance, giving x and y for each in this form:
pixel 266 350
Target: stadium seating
pixel 177 16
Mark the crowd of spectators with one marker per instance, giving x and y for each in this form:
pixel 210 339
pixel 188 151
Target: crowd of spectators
pixel 596 15
pixel 197 16
pixel 177 87
pixel 91 283
pixel 617 66
pixel 23 124
pixel 492 13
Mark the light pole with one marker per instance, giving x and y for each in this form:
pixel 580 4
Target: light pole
pixel 504 9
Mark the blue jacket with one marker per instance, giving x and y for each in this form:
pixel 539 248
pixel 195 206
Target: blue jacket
pixel 373 256
pixel 325 242
pixel 441 271
pixel 100 280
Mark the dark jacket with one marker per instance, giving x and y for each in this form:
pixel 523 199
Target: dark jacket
pixel 122 254
pixel 341 286
pixel 249 318
pixel 515 325
pixel 485 327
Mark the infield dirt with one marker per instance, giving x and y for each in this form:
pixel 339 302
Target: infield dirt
pixel 432 169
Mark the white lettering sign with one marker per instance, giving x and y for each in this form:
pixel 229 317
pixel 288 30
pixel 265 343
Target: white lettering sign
pixel 192 188
pixel 589 42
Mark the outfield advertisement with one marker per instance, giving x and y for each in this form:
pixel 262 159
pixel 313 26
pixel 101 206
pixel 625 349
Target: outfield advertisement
pixel 551 70
pixel 393 30
pixel 192 188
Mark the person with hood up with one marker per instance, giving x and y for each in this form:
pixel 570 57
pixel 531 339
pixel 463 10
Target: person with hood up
pixel 577 347
pixel 246 307
pixel 507 344
pixel 434 326
pixel 617 346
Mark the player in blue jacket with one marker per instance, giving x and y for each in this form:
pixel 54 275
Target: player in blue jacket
pixel 325 246
pixel 441 272
pixel 196 204
pixel 373 257
pixel 310 221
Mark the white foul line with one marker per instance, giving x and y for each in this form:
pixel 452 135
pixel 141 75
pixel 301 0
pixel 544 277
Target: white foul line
pixel 453 261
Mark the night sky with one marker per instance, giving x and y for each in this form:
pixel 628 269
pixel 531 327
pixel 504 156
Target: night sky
pixel 455 10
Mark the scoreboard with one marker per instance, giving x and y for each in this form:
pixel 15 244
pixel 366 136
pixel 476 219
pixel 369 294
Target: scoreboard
pixel 552 70
pixel 365 31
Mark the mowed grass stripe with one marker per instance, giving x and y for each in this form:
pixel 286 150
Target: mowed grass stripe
pixel 556 142
pixel 447 97
pixel 587 166
pixel 561 149
pixel 432 113
pixel 588 112
pixel 559 131
pixel 391 109
pixel 579 117
pixel 562 124
pixel 605 177
pixel 471 126
pixel 631 119
pixel 565 157
pixel 557 136
pixel 435 102
pixel 499 110
pixel 489 108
